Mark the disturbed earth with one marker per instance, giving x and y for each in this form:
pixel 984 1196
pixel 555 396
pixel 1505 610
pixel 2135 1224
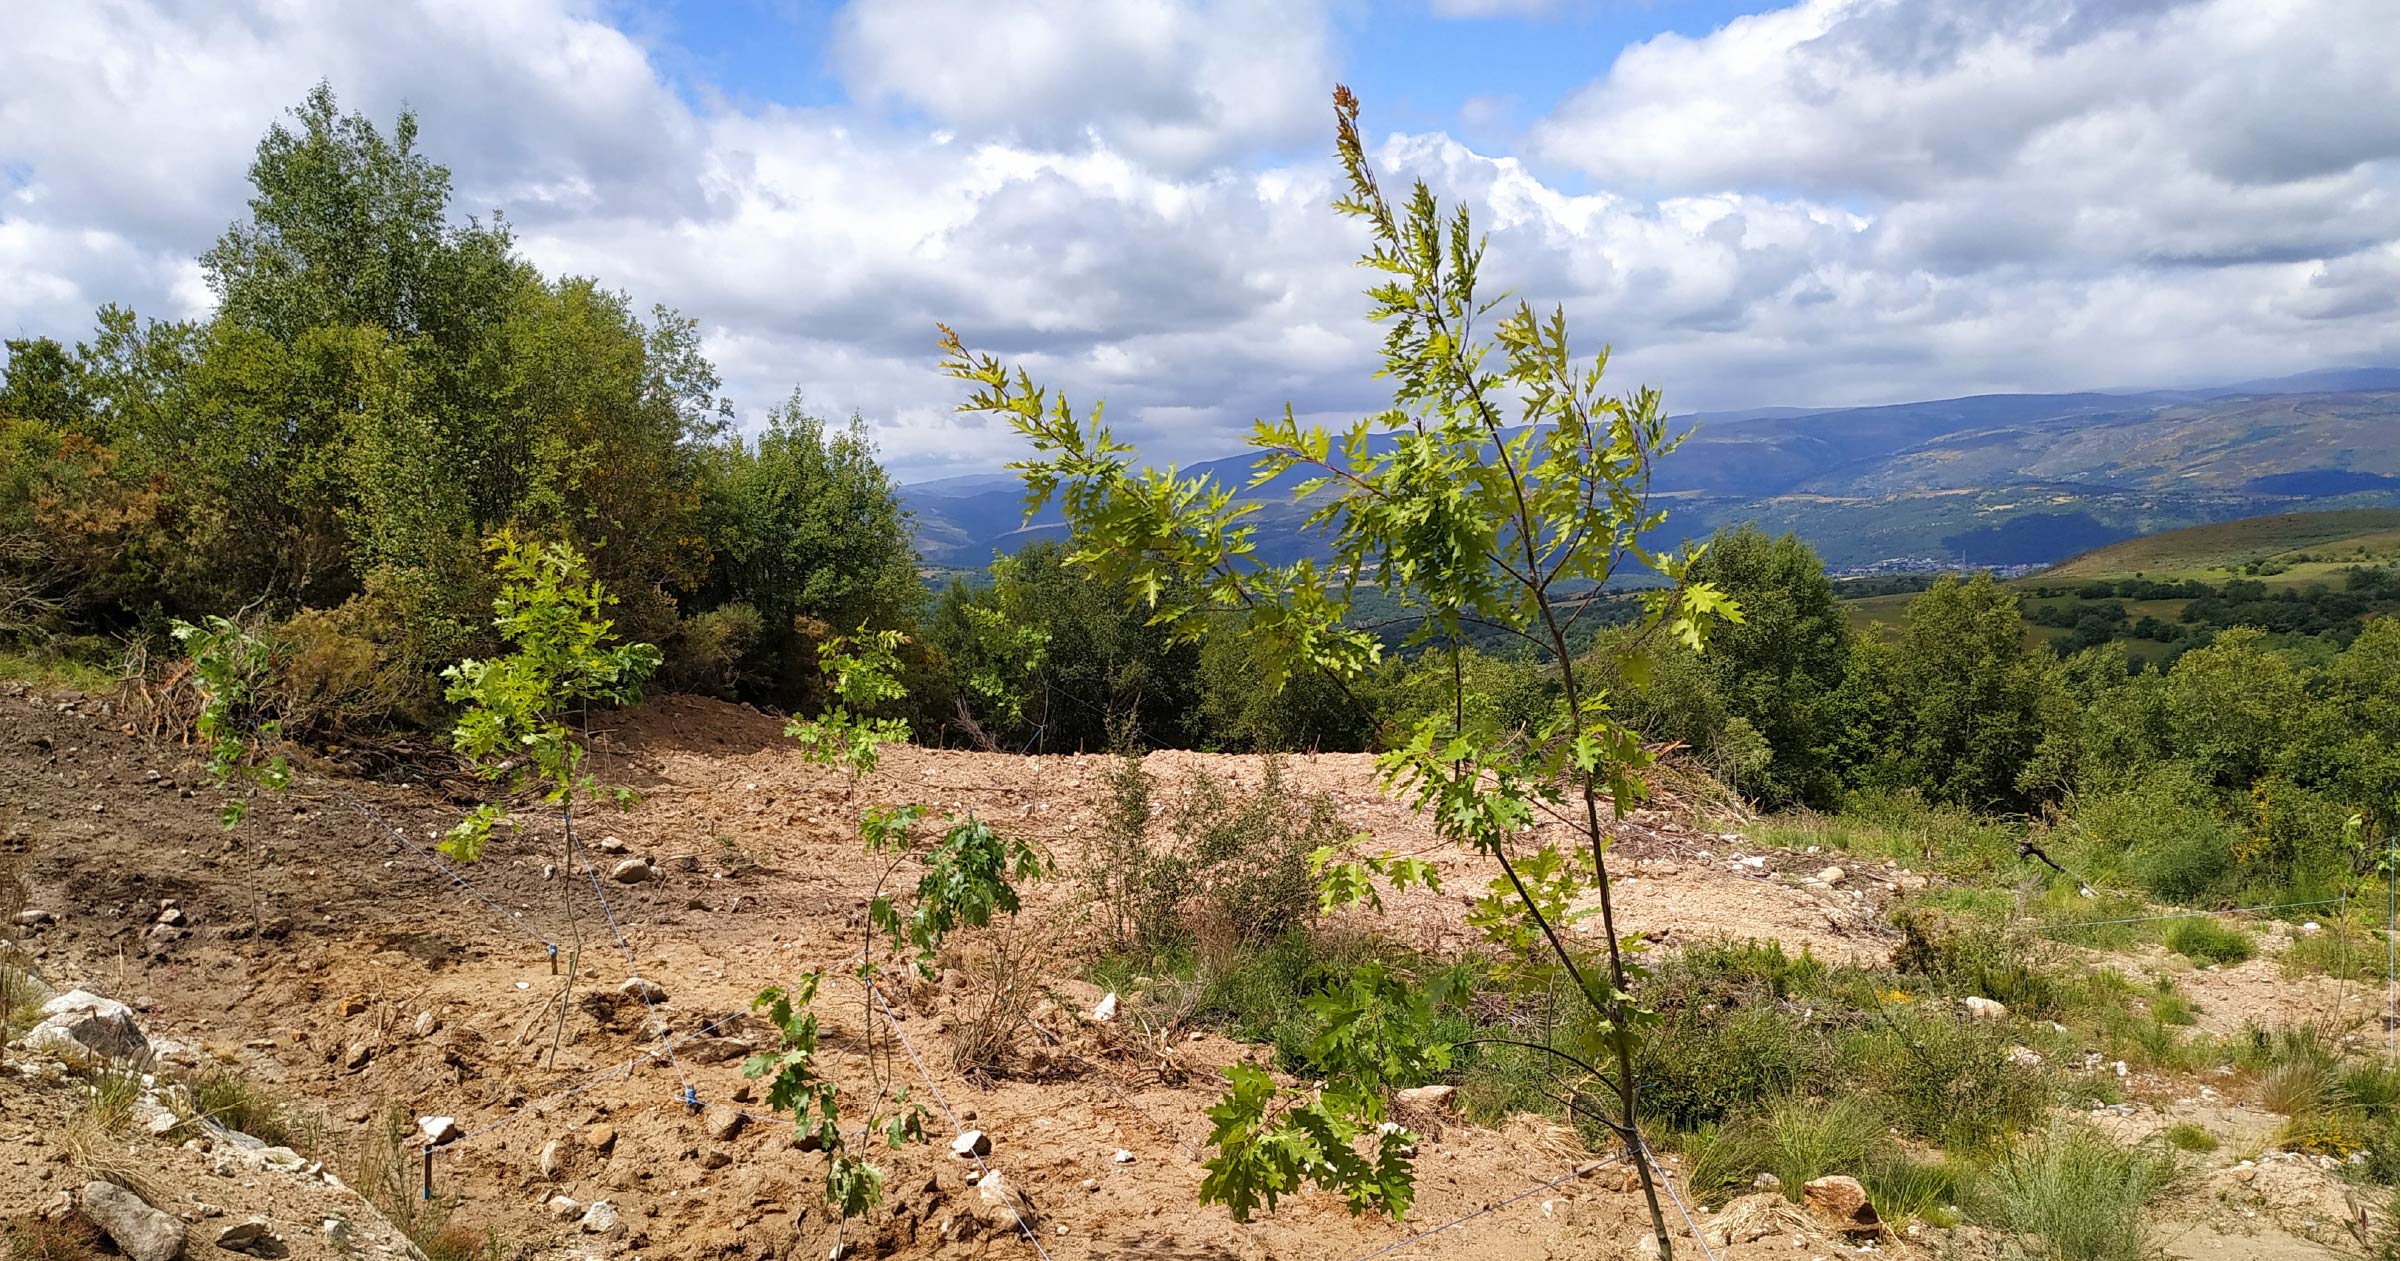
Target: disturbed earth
pixel 323 951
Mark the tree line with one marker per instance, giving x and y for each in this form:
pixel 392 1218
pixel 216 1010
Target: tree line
pixel 382 388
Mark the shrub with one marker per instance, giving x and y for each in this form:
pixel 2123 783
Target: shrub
pixel 708 652
pixel 2185 1136
pixel 1249 852
pixel 1945 1077
pixel 1138 884
pixel 2204 940
pixel 2077 1194
pixel 1699 1071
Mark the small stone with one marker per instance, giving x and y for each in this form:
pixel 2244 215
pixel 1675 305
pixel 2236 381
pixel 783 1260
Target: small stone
pixel 1767 1182
pixel 1832 875
pixel 684 862
pixel 251 1238
pixel 2311 928
pixel 1000 1202
pixel 1842 1203
pixel 427 1024
pixel 350 1005
pixel 1428 1096
pixel 172 917
pixel 439 1130
pixel 1091 1184
pixel 600 1218
pixel 610 845
pixel 1123 1157
pixel 600 1138
pixel 2025 1057
pixel 553 1159
pixel 139 1231
pixel 162 1124
pixel 356 1055
pixel 35 918
pixel 971 1145
pixel 715 1159
pixel 565 1208
pixel 721 1124
pixel 1106 1011
pixel 1984 1008
pixel 643 989
pixel 630 871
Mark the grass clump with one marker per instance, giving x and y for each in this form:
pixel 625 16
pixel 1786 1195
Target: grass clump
pixel 2076 1194
pixel 1946 1078
pixel 2185 1136
pixel 222 1094
pixel 2340 950
pixel 2204 941
pixel 1905 1187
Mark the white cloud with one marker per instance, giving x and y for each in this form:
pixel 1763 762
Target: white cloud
pixel 1964 206
pixel 1171 83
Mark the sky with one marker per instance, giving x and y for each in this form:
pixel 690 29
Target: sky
pixel 1832 202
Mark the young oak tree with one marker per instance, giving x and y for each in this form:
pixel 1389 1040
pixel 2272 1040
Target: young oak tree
pixel 1501 483
pixel 969 874
pixel 512 727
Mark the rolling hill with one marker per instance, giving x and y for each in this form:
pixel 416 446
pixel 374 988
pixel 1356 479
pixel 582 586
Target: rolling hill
pixel 2329 538
pixel 2002 479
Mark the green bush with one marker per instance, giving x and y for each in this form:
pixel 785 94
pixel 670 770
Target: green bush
pixel 2075 1194
pixel 2185 1136
pixel 1944 1077
pixel 1248 853
pixel 1700 1071
pixel 2204 940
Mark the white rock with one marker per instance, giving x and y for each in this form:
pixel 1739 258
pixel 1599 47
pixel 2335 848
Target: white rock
pixel 1984 1008
pixel 630 871
pixel 971 1145
pixel 80 1024
pixel 1427 1096
pixel 139 1231
pixel 600 1218
pixel 565 1208
pixel 1123 1157
pixel 1106 1011
pixel 439 1130
pixel 1832 875
pixel 427 1024
pixel 643 989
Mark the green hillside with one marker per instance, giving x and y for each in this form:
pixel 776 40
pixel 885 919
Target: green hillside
pixel 2329 540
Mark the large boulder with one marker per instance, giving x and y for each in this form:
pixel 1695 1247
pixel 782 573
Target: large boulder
pixel 81 1025
pixel 139 1231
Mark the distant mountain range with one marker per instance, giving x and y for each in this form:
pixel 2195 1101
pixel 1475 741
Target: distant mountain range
pixel 1994 479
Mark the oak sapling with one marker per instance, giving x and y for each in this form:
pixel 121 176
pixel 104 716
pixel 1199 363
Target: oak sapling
pixel 969 874
pixel 1468 518
pixel 231 668
pixel 512 726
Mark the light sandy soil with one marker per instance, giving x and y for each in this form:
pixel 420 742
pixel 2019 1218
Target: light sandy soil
pixel 321 930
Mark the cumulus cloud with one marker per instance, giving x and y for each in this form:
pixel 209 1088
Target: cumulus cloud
pixel 1176 83
pixel 1839 202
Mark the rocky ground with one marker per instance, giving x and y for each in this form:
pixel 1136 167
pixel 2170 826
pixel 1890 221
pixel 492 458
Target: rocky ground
pixel 322 952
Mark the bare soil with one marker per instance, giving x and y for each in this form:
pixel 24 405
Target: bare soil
pixel 322 938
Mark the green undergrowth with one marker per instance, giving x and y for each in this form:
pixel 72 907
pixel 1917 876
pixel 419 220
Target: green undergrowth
pixel 87 664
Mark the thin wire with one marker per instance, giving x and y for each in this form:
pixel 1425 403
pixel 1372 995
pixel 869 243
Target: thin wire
pixel 584 1085
pixel 2234 910
pixel 1660 1175
pixel 1398 1244
pixel 641 986
pixel 372 816
pixel 940 1102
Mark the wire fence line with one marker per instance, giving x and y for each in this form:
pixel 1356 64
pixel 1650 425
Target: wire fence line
pixel 2232 910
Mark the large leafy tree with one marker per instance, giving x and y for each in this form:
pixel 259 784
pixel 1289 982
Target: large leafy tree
pixel 1778 665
